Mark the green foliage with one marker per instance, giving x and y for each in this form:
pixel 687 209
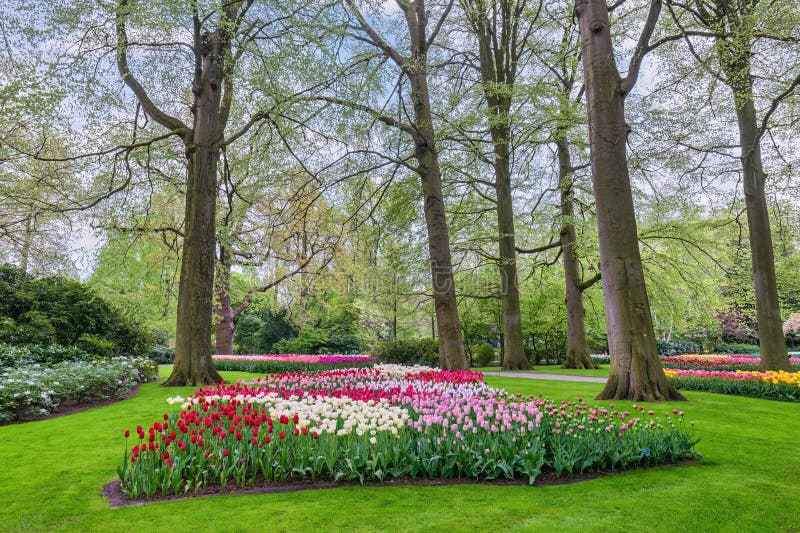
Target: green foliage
pixel 736 348
pixel 484 354
pixel 275 326
pixel 61 311
pixel 313 340
pixel 95 345
pixel 676 346
pixel 12 356
pixel 139 274
pixel 162 355
pixel 414 352
pixel 549 345
pixel 245 336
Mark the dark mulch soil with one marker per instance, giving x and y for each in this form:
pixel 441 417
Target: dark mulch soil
pixel 113 492
pixel 70 407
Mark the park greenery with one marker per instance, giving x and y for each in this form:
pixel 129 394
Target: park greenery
pixel 497 264
pixel 440 182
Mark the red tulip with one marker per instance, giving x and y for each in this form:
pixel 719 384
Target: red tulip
pixel 282 435
pixel 127 433
pixel 225 452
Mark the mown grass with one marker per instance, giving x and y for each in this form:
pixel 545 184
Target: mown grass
pixel 601 372
pixel 52 473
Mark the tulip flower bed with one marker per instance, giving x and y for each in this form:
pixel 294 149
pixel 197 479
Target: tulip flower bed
pixel 384 423
pixel 271 363
pixel 717 362
pixel 769 385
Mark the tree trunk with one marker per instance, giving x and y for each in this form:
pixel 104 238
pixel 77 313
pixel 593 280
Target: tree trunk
pixel 770 326
pixel 636 372
pixel 736 65
pixel 497 29
pixel 25 253
pixel 193 363
pixel 513 348
pixel 451 346
pixel 225 318
pixel 577 348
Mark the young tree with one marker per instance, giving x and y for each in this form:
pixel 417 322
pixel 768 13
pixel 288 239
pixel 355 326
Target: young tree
pixel 636 371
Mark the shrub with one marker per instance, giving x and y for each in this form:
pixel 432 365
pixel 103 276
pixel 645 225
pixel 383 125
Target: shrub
pixel 60 311
pixel 162 355
pixel 415 352
pixel 245 336
pixel 94 345
pixel 676 346
pixel 484 354
pixel 547 346
pixel 35 390
pixel 735 348
pixel 15 356
pixel 313 340
pixel 274 327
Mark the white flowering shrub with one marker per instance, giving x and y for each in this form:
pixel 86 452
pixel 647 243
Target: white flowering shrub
pixel 36 390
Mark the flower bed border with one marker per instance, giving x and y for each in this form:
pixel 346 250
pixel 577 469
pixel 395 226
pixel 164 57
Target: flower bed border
pixel 112 490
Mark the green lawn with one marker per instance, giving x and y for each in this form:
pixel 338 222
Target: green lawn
pixel 553 369
pixel 52 472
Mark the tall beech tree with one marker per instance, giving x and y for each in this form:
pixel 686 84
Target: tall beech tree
pixel 636 371
pixel 740 30
pixel 420 127
pixel 502 29
pixel 577 355
pixel 219 39
pixel 564 70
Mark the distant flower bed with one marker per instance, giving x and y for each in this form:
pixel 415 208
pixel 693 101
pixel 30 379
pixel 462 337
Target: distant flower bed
pixel 717 362
pixel 36 390
pixel 601 358
pixel 383 423
pixel 271 363
pixel 770 385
